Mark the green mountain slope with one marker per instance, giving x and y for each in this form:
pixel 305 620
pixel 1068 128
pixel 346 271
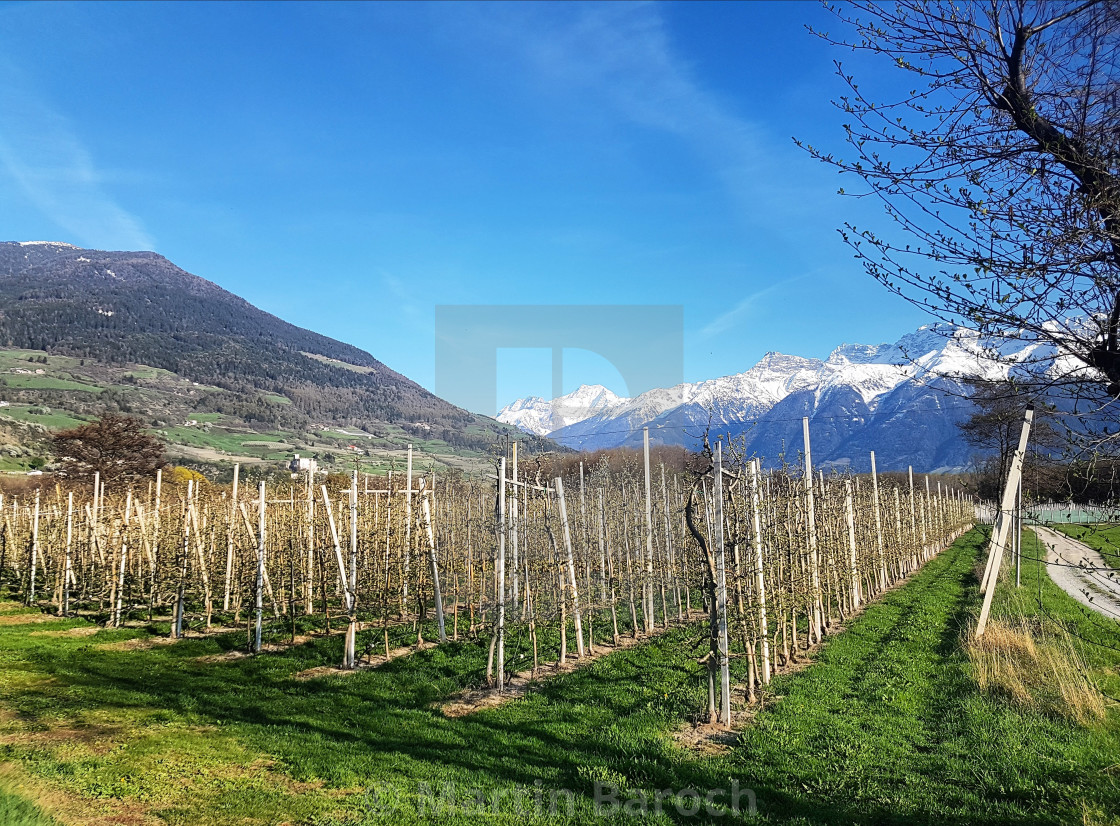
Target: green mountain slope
pixel 130 331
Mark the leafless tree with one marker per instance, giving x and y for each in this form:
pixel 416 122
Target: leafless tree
pixel 999 165
pixel 117 447
pixel 994 429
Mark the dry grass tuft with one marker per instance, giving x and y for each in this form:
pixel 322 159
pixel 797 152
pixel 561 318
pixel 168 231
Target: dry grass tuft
pixel 1035 671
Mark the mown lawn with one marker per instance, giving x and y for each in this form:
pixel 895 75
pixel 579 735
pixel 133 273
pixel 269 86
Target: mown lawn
pixel 886 727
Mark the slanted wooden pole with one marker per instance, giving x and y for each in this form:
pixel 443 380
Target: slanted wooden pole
pixel 1003 526
pixel 435 566
pixel 350 656
pixel 347 661
pixel 571 566
pixel 230 530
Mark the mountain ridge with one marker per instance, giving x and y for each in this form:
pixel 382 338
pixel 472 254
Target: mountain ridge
pixel 903 400
pixel 138 307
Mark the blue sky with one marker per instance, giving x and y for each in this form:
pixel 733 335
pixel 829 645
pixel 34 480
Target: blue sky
pixel 349 166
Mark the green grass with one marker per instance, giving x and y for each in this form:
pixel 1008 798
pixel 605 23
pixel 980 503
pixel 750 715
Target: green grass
pixel 1039 597
pixel 146 372
pixel 17 811
pixel 46 383
pixel 10 358
pixel 237 442
pixel 204 418
pixel 1105 538
pixel 886 727
pixel 55 420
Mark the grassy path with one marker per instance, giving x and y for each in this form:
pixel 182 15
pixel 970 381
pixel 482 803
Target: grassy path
pixel 886 727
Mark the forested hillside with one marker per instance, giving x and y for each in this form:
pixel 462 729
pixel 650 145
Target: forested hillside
pixel 138 308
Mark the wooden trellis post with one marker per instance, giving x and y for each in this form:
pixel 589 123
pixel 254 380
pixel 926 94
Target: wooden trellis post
pixel 407 528
pixel 258 590
pixel 1003 524
pixel 435 566
pixel 851 520
pixel 647 590
pixel 66 575
pixel 230 529
pixel 721 592
pixel 500 575
pixel 571 566
pixel 34 550
pixel 878 524
pixel 817 619
pixel 756 525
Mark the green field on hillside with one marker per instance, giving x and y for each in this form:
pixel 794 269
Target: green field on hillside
pixel 71 391
pixel 36 414
pixel 34 382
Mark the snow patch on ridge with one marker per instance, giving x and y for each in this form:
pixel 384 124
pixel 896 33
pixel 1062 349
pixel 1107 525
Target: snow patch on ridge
pixel 935 352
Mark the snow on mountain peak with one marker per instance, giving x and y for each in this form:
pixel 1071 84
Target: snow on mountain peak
pixel 859 354
pixel 857 382
pixel 536 415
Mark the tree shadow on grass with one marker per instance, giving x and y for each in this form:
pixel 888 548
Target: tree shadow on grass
pixel 606 723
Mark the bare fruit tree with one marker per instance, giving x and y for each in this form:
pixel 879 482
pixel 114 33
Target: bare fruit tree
pixel 999 165
pixel 119 448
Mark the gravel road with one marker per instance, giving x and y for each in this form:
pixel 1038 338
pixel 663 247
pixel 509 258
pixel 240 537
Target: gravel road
pixel 1081 572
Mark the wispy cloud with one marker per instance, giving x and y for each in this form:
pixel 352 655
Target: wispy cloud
pixel 44 157
pixel 619 58
pixel 405 302
pixel 727 320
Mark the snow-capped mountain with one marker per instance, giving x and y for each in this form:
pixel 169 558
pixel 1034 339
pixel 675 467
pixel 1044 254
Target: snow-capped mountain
pixel 536 415
pixel 902 400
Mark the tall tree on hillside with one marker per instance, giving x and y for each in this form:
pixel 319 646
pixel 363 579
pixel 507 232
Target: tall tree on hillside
pixel 998 164
pixel 118 447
